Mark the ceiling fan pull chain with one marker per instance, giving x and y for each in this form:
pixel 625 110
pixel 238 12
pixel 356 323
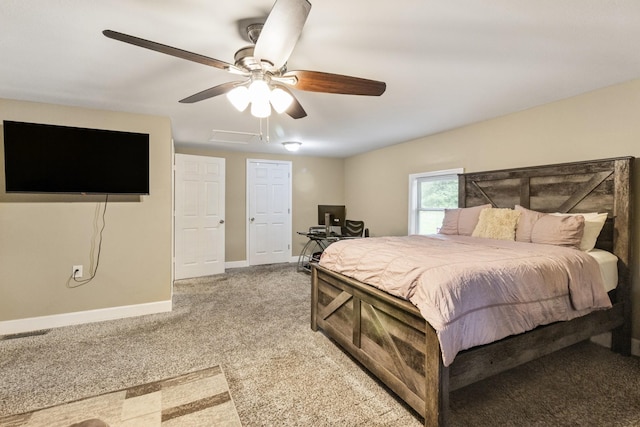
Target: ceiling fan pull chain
pixel 264 137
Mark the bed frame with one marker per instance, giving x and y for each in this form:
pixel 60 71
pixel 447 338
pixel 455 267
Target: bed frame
pixel 391 339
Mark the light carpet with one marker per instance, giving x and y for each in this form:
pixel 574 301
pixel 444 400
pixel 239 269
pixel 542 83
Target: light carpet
pixel 254 322
pixel 195 399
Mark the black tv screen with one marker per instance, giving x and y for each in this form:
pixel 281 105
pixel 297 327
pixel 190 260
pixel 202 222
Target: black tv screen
pixel 40 158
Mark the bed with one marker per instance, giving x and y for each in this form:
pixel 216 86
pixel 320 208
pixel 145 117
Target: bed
pixel 391 338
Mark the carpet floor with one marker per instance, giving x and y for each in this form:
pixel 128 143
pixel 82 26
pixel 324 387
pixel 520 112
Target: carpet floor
pixel 254 323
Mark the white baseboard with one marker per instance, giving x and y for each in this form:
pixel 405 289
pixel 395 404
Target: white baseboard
pixel 605 340
pixel 245 263
pixel 236 264
pixel 66 319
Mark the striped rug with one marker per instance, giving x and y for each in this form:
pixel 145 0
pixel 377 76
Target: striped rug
pixel 198 398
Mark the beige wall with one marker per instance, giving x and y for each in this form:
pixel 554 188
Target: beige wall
pixel 42 237
pixel 316 180
pixel 600 124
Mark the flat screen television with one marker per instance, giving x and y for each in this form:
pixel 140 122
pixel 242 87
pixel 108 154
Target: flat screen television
pixel 41 158
pixel 337 214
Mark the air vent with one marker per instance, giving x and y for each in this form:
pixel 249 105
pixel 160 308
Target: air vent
pixel 233 137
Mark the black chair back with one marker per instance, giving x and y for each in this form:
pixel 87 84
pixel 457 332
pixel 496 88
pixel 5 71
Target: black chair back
pixel 354 229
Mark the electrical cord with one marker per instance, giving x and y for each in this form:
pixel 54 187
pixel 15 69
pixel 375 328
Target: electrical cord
pixel 80 282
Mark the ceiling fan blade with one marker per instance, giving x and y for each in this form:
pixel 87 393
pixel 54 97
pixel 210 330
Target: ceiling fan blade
pixel 173 51
pixel 316 81
pixel 281 31
pixel 211 92
pixel 295 110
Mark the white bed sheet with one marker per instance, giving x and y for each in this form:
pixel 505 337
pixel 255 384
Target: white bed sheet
pixel 608 263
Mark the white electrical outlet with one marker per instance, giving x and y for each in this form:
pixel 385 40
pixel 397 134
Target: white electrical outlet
pixel 76 272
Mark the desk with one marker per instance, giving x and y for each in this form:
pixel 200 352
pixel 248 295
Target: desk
pixel 317 243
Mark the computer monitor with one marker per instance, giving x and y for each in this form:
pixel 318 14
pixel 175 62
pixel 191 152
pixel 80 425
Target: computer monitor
pixel 337 214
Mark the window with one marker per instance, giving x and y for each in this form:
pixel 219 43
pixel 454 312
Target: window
pixel 430 194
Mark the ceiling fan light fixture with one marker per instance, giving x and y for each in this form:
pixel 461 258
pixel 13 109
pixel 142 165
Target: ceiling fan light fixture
pixel 259 94
pixel 292 145
pixel 259 91
pixel 260 108
pixel 280 100
pixel 239 97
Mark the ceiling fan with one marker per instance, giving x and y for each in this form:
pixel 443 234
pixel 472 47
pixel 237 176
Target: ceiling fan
pixel 267 82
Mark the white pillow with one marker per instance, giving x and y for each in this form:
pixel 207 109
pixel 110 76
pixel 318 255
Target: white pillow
pixel 593 223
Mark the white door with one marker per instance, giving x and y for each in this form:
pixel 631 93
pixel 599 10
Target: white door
pixel 268 211
pixel 199 216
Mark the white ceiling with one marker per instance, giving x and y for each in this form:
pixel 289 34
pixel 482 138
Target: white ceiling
pixel 446 63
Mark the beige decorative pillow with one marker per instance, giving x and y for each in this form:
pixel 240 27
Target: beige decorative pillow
pixel 593 223
pixel 558 230
pixel 461 221
pixel 497 224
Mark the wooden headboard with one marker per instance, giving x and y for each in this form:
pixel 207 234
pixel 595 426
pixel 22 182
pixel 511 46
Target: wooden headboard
pixel 590 186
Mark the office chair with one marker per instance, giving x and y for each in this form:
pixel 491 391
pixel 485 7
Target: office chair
pixel 353 228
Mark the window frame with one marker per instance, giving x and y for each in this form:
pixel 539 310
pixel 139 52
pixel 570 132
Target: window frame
pixel 414 203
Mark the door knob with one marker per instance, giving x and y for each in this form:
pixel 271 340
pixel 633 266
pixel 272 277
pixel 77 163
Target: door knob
pixel 222 221
pixel 251 219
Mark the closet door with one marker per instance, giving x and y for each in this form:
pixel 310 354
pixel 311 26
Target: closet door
pixel 199 216
pixel 268 211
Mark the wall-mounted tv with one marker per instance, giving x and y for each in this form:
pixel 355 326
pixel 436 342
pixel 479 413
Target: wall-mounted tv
pixel 41 158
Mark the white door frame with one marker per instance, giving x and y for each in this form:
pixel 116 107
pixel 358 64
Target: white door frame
pixel 248 206
pixel 173 215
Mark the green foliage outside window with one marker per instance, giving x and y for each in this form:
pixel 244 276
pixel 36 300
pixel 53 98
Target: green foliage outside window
pixel 439 194
pixel 435 195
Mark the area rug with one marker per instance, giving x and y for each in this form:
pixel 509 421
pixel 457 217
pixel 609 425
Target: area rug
pixel 198 398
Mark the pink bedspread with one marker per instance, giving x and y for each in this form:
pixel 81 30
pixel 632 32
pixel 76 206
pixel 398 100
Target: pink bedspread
pixel 475 291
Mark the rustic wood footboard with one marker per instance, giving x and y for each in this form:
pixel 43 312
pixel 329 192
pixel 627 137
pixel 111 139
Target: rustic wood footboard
pixel 387 335
pixel 390 338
